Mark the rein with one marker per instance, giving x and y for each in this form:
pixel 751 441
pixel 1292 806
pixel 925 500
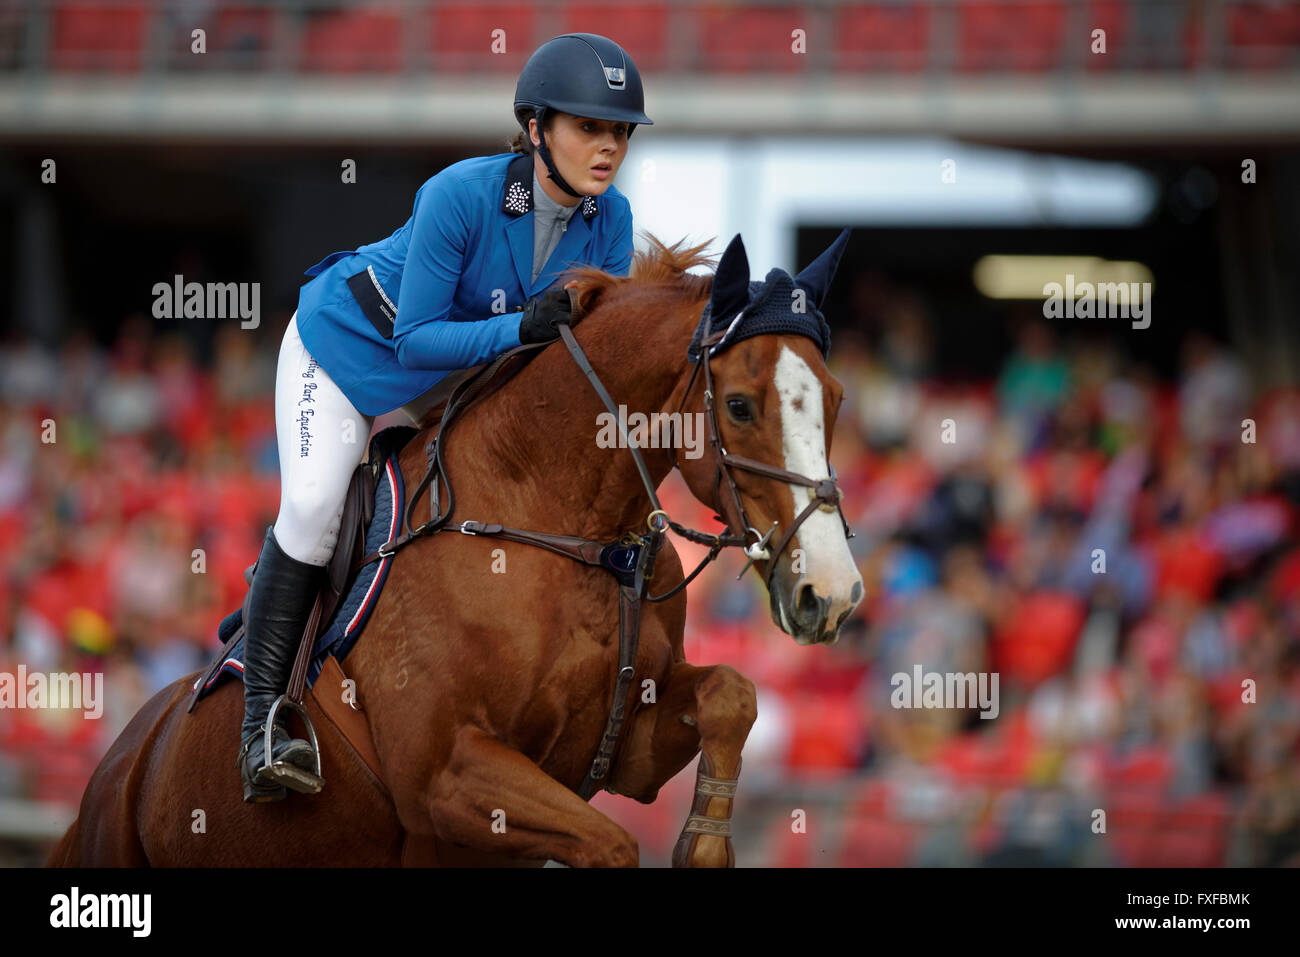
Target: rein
pixel 614 557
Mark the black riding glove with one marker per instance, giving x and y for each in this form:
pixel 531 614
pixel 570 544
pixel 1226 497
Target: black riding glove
pixel 542 313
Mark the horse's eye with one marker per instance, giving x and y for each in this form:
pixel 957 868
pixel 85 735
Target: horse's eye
pixel 739 409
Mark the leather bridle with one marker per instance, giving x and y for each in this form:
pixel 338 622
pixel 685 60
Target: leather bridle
pixel 825 495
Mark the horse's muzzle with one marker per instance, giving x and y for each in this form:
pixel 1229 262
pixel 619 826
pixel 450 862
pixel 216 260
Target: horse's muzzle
pixel 810 617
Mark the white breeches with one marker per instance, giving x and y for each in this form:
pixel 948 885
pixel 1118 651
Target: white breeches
pixel 321 438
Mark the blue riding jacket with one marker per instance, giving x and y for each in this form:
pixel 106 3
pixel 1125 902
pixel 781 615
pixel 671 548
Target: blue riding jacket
pixel 443 292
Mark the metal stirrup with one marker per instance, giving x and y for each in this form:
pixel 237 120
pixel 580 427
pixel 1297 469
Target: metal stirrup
pixel 282 769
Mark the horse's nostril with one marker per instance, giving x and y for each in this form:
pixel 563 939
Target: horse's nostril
pixel 856 594
pixel 806 604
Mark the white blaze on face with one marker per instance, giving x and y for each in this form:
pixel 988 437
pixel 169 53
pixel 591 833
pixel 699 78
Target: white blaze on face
pixel 828 564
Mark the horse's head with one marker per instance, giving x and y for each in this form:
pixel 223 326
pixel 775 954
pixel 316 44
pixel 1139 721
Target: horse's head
pixel 759 378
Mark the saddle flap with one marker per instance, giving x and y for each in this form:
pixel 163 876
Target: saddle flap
pixel 337 700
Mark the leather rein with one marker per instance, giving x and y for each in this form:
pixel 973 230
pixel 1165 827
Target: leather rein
pixel 633 580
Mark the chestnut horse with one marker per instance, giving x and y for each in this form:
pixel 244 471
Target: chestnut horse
pixel 487 685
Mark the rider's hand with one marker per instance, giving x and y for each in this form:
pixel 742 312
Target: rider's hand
pixel 541 315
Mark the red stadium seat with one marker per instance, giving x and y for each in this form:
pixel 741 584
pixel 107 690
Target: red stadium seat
pixel 348 41
pixel 1010 36
pixel 1205 812
pixel 1263 36
pixel 1184 849
pixel 1141 827
pixel 464 34
pixel 1037 638
pixel 1136 807
pixel 640 29
pixel 828 732
pixel 1187 563
pixel 882 36
pixel 92 36
pixel 1130 846
pixel 1148 768
pixel 735 38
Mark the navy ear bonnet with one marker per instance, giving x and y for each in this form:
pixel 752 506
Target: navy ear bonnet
pixel 771 311
pixel 779 305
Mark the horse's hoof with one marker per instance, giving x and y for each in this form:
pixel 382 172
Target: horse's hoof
pixel 703 850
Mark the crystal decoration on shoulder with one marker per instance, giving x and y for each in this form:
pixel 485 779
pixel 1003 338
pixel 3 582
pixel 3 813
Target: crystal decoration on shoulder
pixel 517 199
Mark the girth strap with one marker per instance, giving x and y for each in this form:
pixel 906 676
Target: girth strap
pixel 629 633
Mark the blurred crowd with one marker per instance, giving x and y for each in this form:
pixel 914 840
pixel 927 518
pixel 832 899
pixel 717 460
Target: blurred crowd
pixel 1119 548
pixel 136 484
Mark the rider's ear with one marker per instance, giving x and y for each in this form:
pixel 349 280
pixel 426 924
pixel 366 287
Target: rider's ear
pixel 817 275
pixel 730 283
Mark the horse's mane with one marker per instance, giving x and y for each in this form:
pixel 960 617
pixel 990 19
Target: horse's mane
pixel 655 268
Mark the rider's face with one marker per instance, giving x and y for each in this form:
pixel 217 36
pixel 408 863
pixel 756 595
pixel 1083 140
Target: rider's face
pixel 579 146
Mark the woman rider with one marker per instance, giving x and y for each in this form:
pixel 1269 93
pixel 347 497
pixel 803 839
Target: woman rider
pixel 468 277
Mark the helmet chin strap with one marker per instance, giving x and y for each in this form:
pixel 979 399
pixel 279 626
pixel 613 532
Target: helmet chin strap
pixel 546 156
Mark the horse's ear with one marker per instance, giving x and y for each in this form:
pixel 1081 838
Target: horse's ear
pixel 817 275
pixel 585 293
pixel 580 300
pixel 730 282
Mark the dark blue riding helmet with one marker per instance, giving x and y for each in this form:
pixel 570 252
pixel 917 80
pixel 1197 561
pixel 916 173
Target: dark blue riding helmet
pixel 584 74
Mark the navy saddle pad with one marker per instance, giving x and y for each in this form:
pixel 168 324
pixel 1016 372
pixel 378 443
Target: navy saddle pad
pixel 346 626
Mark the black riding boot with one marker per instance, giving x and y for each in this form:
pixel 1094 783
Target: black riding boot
pixel 282 595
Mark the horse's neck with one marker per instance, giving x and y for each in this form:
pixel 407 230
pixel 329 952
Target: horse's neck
pixel 534 444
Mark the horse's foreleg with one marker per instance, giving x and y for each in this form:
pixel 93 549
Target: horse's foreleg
pixel 726 707
pixel 700 709
pixel 493 798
